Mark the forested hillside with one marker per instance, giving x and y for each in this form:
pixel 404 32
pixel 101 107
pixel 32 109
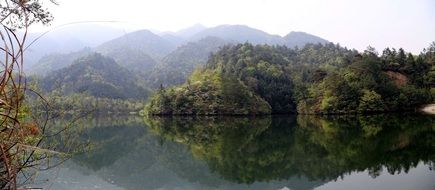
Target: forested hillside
pixel 57 61
pixel 97 76
pixel 176 67
pixel 300 39
pixel 321 79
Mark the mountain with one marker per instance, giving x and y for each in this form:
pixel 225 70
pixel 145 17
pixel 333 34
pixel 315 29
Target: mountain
pixel 91 34
pixel 143 40
pixel 179 64
pixel 132 59
pixel 143 50
pixel 181 37
pixel 242 34
pixel 239 33
pixel 190 31
pixel 56 61
pixel 66 39
pixel 37 47
pixel 131 51
pixel 300 39
pixel 97 76
pixel 136 51
pixel 173 38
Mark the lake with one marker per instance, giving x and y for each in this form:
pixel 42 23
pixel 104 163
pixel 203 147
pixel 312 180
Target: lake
pixel 281 152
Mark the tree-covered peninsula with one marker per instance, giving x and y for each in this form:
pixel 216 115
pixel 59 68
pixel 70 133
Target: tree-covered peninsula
pixel 248 79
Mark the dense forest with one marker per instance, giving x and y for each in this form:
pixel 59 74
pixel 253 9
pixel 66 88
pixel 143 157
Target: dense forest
pixel 316 79
pixel 92 83
pixel 98 76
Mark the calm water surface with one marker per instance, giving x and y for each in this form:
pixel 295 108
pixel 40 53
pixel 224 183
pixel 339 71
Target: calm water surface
pixel 304 152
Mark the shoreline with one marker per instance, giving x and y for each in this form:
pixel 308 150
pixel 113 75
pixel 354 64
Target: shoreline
pixel 429 109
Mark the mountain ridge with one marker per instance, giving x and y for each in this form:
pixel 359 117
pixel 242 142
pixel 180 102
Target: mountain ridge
pixel 96 75
pixel 153 56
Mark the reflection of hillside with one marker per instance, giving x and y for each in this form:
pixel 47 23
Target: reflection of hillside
pixel 108 144
pixel 133 158
pixel 252 150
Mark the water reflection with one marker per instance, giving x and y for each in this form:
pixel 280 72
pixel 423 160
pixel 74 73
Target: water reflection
pixel 301 152
pixel 134 156
pixel 246 150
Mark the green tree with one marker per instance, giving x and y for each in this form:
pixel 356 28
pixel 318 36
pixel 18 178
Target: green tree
pixel 370 101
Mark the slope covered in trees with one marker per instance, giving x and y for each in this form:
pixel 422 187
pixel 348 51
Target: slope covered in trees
pixel 321 79
pixel 207 93
pixel 56 61
pixel 429 56
pixel 133 59
pixel 176 67
pixel 97 76
pixel 300 39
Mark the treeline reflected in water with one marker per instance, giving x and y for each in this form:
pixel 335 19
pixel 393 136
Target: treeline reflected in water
pixel 246 150
pixel 300 152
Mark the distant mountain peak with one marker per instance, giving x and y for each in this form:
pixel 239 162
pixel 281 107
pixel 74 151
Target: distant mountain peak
pixel 239 33
pixel 96 61
pixel 301 38
pixel 142 40
pixel 190 31
pixel 142 32
pixel 236 27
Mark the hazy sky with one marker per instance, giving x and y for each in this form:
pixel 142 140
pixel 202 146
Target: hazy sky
pixel 352 23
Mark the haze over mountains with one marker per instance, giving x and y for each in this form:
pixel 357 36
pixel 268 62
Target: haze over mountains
pixel 166 58
pixel 109 41
pixel 68 39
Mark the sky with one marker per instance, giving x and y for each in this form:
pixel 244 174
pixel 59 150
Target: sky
pixel 352 23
